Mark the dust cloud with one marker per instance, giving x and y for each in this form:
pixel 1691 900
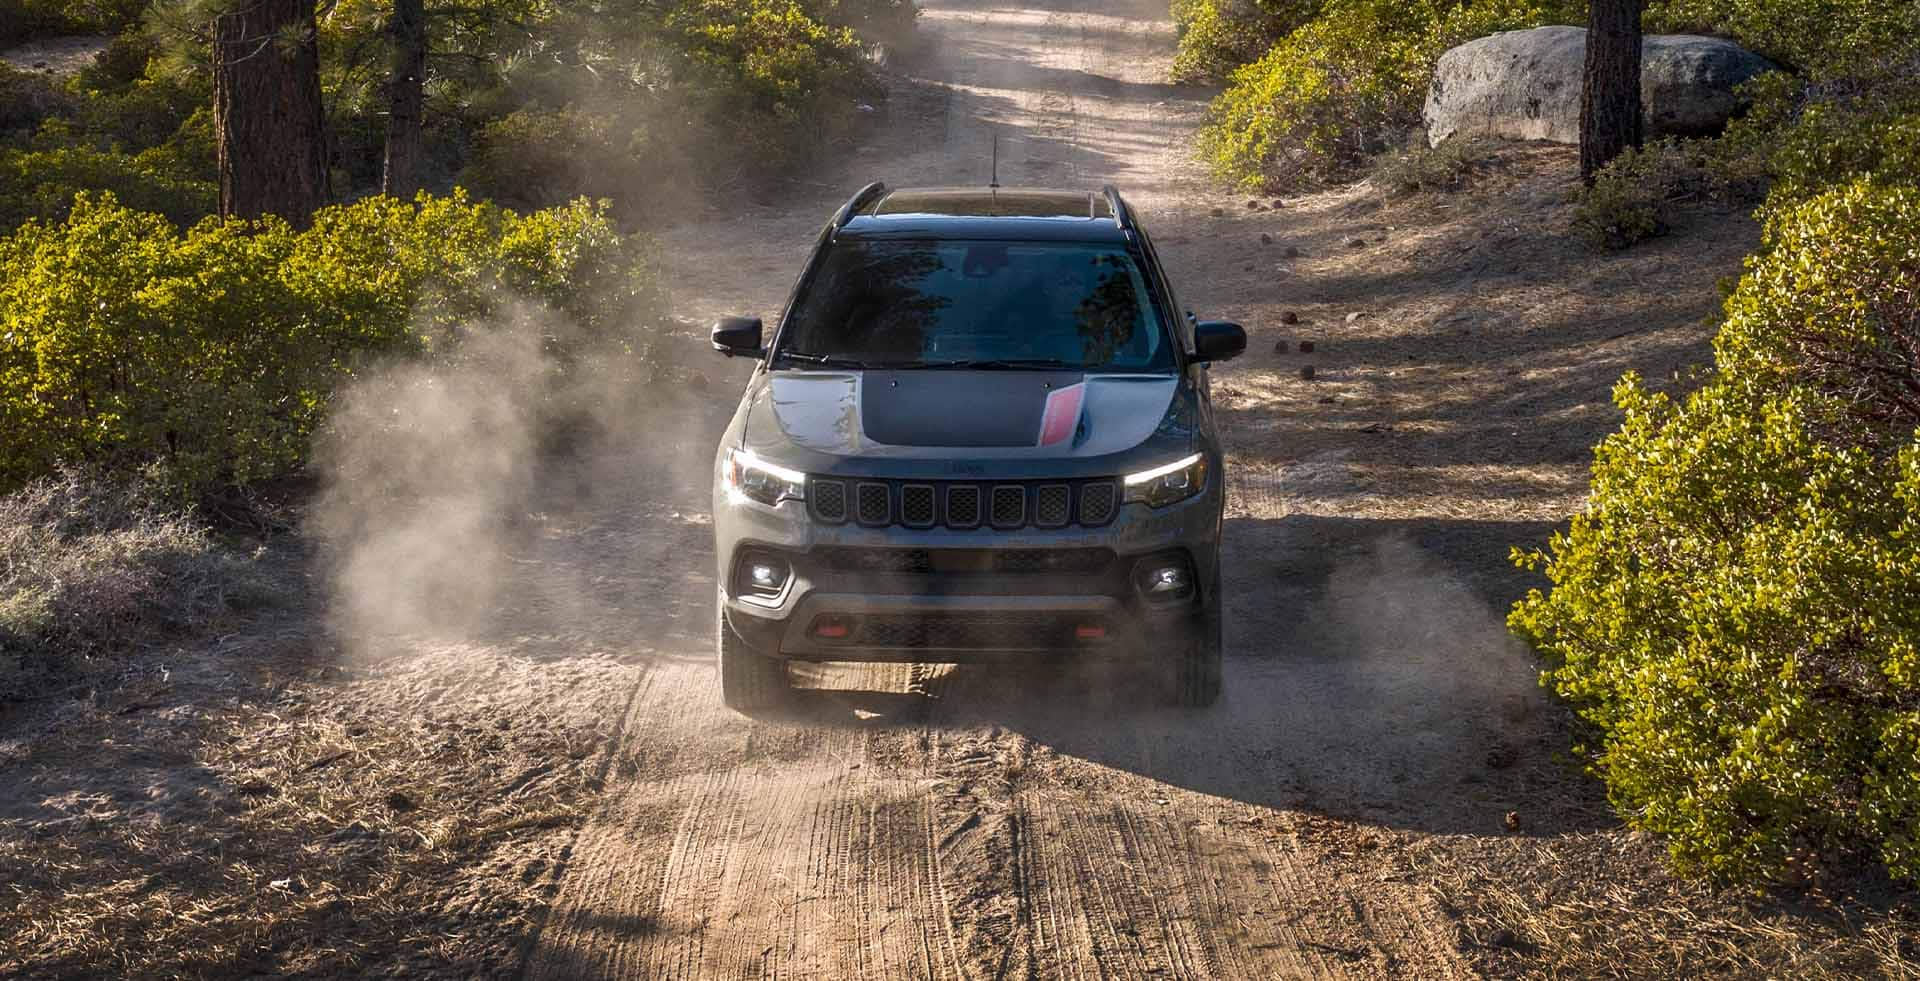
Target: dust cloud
pixel 530 484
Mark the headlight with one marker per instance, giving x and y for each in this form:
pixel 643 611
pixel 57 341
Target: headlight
pixel 751 477
pixel 1169 484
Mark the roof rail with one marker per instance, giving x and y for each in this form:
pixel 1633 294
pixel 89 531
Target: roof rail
pixel 853 204
pixel 1122 215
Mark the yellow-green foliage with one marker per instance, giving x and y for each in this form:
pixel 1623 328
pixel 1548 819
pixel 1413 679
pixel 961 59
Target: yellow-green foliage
pixel 1345 85
pixel 776 82
pixel 1737 611
pixel 1218 36
pixel 212 352
pixel 1821 38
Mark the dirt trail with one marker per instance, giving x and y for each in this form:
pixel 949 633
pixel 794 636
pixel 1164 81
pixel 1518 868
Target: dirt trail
pixel 972 823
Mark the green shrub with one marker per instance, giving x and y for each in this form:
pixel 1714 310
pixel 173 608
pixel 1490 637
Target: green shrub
pixel 1634 197
pixel 886 21
pixel 212 353
pixel 1219 36
pixel 1347 85
pixel 1818 38
pixel 1804 135
pixel 27 99
pixel 1419 167
pixel 43 184
pixel 1737 610
pixel 536 158
pixel 773 89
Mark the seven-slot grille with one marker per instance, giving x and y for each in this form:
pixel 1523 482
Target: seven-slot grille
pixel 877 503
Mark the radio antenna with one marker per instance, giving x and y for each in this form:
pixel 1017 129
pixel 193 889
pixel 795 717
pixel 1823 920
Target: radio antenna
pixel 994 182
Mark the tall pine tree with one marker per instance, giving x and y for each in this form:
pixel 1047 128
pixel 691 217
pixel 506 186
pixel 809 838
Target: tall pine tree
pixel 269 127
pixel 1610 98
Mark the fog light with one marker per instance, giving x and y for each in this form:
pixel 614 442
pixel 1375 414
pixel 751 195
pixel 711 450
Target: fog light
pixel 827 629
pixel 1089 631
pixel 761 574
pixel 1164 578
pixel 1168 579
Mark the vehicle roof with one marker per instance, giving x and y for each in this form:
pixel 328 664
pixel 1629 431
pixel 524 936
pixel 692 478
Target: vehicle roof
pixel 1004 213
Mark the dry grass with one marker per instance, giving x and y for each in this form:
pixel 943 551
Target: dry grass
pixel 210 825
pixel 94 572
pixel 1603 904
pixel 191 783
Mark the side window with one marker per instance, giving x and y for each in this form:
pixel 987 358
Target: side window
pixel 1182 324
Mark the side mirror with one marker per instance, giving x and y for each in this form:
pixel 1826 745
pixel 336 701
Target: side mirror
pixel 736 336
pixel 1218 340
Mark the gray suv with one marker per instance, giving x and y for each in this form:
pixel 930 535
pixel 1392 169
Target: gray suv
pixel 982 431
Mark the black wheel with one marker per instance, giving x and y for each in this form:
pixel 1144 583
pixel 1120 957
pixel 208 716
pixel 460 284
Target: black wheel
pixel 1196 668
pixel 749 681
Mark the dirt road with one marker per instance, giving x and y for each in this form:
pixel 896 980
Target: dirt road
pixel 963 823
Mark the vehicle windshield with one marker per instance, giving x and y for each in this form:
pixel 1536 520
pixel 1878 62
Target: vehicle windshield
pixel 900 304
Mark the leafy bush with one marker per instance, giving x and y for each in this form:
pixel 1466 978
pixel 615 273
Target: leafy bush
pixel 1818 38
pixel 773 86
pixel 534 158
pixel 43 184
pixel 1419 167
pixel 1633 198
pixel 26 99
pixel 212 353
pixel 1737 611
pixel 1804 135
pixel 1218 36
pixel 1346 85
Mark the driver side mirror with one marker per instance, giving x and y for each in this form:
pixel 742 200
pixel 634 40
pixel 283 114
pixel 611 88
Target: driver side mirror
pixel 737 336
pixel 1218 340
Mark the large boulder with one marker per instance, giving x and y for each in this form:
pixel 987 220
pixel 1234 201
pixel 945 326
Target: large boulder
pixel 1525 85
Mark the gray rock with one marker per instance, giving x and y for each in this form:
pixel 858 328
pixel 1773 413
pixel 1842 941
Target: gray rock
pixel 1525 85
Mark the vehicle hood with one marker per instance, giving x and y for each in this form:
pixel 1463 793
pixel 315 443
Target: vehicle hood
pixel 924 422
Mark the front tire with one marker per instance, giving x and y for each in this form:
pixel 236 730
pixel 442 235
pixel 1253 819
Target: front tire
pixel 749 681
pixel 1197 666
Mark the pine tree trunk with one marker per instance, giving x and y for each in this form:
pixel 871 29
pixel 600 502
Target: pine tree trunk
pixel 1610 100
pixel 267 118
pixel 401 172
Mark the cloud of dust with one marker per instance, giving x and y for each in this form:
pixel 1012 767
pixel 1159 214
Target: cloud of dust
pixel 508 490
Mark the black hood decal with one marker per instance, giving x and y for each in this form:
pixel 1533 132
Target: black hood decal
pixel 960 408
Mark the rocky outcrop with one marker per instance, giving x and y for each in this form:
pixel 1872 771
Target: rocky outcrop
pixel 1525 85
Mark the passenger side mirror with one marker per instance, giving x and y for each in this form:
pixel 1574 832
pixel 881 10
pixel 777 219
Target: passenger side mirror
pixel 1218 340
pixel 737 336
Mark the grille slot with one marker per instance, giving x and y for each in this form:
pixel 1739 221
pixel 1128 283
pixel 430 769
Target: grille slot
pixel 1053 506
pixel 917 505
pixel 971 631
pixel 963 506
pixel 874 503
pixel 1009 506
pixel 1098 501
pixel 829 499
pixel 965 561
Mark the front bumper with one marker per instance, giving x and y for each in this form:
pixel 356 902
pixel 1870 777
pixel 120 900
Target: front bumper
pixel 942 595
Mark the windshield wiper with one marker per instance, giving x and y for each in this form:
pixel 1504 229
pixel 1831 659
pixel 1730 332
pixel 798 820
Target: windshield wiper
pixel 989 364
pixel 823 360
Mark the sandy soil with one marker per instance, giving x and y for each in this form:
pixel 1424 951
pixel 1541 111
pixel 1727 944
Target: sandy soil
pixel 1383 790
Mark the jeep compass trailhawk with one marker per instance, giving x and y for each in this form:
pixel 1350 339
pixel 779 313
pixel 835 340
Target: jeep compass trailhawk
pixel 982 431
